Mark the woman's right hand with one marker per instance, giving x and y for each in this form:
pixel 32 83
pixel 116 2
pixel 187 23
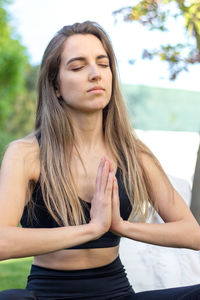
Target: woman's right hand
pixel 101 206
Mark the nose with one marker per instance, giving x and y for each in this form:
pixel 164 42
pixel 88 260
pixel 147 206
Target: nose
pixel 94 73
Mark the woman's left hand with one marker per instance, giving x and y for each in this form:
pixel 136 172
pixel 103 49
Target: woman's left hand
pixel 116 221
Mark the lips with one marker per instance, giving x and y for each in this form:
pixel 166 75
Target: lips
pixel 96 88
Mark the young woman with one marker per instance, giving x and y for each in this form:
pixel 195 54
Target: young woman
pixel 80 178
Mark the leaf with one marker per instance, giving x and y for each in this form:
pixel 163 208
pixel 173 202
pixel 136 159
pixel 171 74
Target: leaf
pixel 155 15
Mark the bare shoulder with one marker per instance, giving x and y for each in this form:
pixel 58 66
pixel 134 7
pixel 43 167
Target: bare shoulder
pixel 24 151
pixel 155 174
pixel 148 161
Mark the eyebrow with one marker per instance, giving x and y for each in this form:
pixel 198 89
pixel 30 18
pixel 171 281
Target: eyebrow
pixel 82 58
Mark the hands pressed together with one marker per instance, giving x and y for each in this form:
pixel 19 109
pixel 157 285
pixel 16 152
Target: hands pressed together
pixel 105 205
pixel 179 221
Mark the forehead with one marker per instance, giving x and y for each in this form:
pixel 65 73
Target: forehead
pixel 82 45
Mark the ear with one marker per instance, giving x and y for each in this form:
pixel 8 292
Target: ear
pixel 58 93
pixel 57 89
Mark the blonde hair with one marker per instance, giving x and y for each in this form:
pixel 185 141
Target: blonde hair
pixel 57 136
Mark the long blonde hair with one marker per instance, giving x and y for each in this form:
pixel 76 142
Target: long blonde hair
pixel 57 136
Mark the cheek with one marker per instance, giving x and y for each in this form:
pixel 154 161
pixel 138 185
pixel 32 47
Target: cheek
pixel 109 77
pixel 66 82
pixel 69 87
pixel 110 83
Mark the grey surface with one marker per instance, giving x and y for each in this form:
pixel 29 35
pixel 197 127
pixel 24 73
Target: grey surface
pixel 195 202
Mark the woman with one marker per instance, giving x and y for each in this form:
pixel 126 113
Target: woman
pixel 79 179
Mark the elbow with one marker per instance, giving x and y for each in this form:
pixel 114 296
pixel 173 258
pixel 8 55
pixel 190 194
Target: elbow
pixel 3 253
pixel 4 247
pixel 196 240
pixel 196 247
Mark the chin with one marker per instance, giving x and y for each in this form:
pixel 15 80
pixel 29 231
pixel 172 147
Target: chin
pixel 95 106
pixel 102 104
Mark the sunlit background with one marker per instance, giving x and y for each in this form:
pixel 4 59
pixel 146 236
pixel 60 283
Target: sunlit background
pixel 37 21
pixel 155 103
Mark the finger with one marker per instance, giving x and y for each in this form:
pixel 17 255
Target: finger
pixel 99 174
pixel 105 176
pixel 115 190
pixel 111 166
pixel 115 198
pixel 109 186
pixel 116 184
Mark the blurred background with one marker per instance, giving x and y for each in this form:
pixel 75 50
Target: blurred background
pixel 157 45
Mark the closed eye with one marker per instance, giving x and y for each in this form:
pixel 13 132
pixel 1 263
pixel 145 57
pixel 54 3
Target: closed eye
pixel 104 65
pixel 76 69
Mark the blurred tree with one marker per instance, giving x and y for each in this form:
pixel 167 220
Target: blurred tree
pixel 13 62
pixel 17 83
pixel 155 15
pixel 21 120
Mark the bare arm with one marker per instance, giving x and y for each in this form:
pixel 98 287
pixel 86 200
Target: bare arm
pixel 180 228
pixel 16 242
pixel 21 242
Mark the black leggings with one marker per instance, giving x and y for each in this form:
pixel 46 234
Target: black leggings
pixel 105 283
pixel 182 293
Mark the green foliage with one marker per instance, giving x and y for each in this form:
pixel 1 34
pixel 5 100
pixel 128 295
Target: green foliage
pixel 17 88
pixel 155 15
pixel 5 139
pixel 14 273
pixel 21 120
pixel 13 63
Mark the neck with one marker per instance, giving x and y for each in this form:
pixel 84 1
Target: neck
pixel 88 130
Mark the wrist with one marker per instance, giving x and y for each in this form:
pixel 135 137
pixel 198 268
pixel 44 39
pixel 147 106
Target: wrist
pixel 125 228
pixel 120 228
pixel 95 230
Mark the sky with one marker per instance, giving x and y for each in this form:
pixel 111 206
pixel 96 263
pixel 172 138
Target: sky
pixel 37 21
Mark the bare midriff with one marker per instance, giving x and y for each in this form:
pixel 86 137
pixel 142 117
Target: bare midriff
pixel 77 259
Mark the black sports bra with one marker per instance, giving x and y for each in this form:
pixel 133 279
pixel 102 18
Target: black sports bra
pixel 45 220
